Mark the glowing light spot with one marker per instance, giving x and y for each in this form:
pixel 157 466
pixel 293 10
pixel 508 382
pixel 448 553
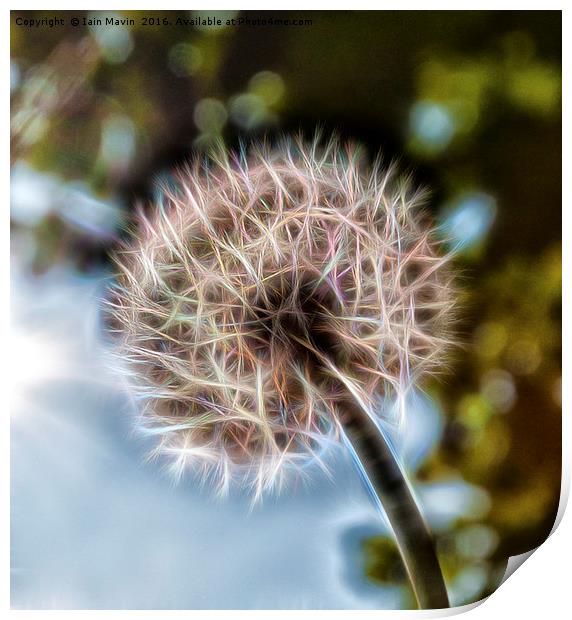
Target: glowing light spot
pixel 432 125
pixel 267 85
pixel 491 339
pixel 467 585
pixel 497 386
pixel 476 542
pixel 210 115
pixel 117 141
pixel 474 410
pixel 248 111
pixel 185 59
pixel 32 194
pixel 467 221
pixel 445 502
pixel 535 88
pixel 115 42
pixel 524 356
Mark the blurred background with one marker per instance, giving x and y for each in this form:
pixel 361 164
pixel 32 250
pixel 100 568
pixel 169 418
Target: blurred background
pixel 470 103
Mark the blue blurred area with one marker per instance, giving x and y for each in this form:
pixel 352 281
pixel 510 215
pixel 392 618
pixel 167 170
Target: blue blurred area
pixel 467 220
pixel 432 125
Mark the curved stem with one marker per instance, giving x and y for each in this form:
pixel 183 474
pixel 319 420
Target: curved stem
pixel 386 477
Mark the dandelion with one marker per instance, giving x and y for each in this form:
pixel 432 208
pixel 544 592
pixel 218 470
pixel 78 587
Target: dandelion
pixel 268 304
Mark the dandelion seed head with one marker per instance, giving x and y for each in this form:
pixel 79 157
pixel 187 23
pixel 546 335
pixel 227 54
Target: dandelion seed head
pixel 258 284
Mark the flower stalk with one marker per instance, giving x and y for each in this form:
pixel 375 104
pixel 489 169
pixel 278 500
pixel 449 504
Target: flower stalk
pixel 389 483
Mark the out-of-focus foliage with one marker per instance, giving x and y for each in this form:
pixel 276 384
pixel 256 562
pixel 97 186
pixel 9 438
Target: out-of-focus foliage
pixel 471 101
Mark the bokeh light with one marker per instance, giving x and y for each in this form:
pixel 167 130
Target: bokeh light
pixel 116 42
